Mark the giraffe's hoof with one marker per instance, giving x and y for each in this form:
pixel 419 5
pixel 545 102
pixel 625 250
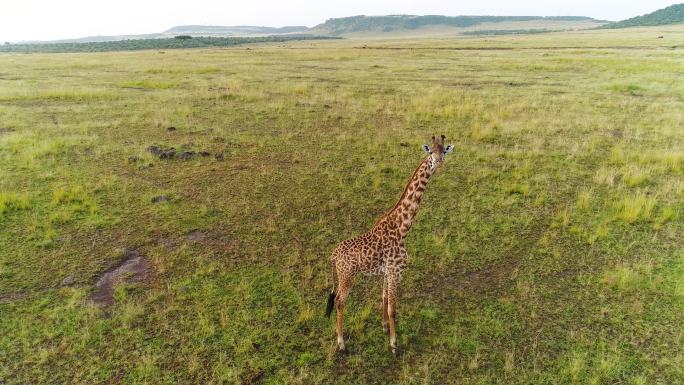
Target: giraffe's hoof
pixel 341 348
pixel 395 351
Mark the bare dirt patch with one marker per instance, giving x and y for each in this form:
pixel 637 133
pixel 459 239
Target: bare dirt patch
pixel 195 235
pixel 134 269
pixel 11 297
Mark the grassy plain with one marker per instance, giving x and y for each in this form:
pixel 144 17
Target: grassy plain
pixel 549 250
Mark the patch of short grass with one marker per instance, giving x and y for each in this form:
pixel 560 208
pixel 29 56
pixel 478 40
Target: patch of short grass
pixel 149 84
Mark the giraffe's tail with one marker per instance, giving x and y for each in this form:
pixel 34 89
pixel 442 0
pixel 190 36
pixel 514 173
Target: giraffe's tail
pixel 331 303
pixel 331 296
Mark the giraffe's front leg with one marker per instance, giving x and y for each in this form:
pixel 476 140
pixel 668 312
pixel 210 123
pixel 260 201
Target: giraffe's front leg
pixel 385 317
pixel 392 283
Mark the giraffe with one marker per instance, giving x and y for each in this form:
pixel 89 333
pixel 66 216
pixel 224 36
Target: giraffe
pixel 381 250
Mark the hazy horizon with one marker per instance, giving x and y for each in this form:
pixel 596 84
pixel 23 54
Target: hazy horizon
pixel 78 18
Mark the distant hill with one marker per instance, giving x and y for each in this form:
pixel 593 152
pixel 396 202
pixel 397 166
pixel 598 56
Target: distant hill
pixel 191 30
pixel 673 14
pixel 392 23
pixel 397 25
pixel 232 30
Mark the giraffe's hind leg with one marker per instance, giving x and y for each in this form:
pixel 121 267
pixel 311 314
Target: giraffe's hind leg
pixel 345 282
pixel 385 317
pixel 392 283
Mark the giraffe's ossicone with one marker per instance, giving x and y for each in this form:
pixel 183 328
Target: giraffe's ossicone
pixel 381 251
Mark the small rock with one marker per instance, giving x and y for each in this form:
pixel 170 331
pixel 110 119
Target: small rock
pixel 204 153
pixel 161 198
pixel 162 152
pixel 404 144
pixel 172 128
pixel 68 280
pixel 186 155
pixel 168 154
pixel 218 156
pixel 133 159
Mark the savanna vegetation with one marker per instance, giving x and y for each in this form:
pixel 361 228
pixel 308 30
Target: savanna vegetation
pixel 548 250
pixel 504 32
pixel 177 42
pixel 673 14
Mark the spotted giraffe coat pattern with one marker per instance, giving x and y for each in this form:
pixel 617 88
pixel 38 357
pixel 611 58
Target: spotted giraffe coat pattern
pixel 381 250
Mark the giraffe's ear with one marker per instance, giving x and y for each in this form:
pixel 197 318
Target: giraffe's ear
pixel 449 148
pixel 427 149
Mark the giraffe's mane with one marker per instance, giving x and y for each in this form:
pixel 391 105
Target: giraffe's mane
pixel 403 195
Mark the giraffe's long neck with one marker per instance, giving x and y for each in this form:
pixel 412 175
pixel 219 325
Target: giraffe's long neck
pixel 405 210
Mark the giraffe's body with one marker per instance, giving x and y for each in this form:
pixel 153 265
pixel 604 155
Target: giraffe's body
pixel 381 251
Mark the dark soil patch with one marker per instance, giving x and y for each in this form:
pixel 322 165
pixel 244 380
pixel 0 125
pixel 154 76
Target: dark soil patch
pixel 134 269
pixel 5 130
pixel 161 198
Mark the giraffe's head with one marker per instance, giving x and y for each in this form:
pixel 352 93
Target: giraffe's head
pixel 437 152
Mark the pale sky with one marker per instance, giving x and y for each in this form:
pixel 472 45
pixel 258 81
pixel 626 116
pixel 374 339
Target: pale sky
pixel 63 19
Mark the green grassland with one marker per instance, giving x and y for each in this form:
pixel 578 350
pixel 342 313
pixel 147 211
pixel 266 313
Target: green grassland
pixel 548 250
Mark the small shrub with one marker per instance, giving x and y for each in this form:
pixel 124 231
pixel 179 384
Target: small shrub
pixel 633 176
pixel 11 202
pixel 634 208
pixel 631 89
